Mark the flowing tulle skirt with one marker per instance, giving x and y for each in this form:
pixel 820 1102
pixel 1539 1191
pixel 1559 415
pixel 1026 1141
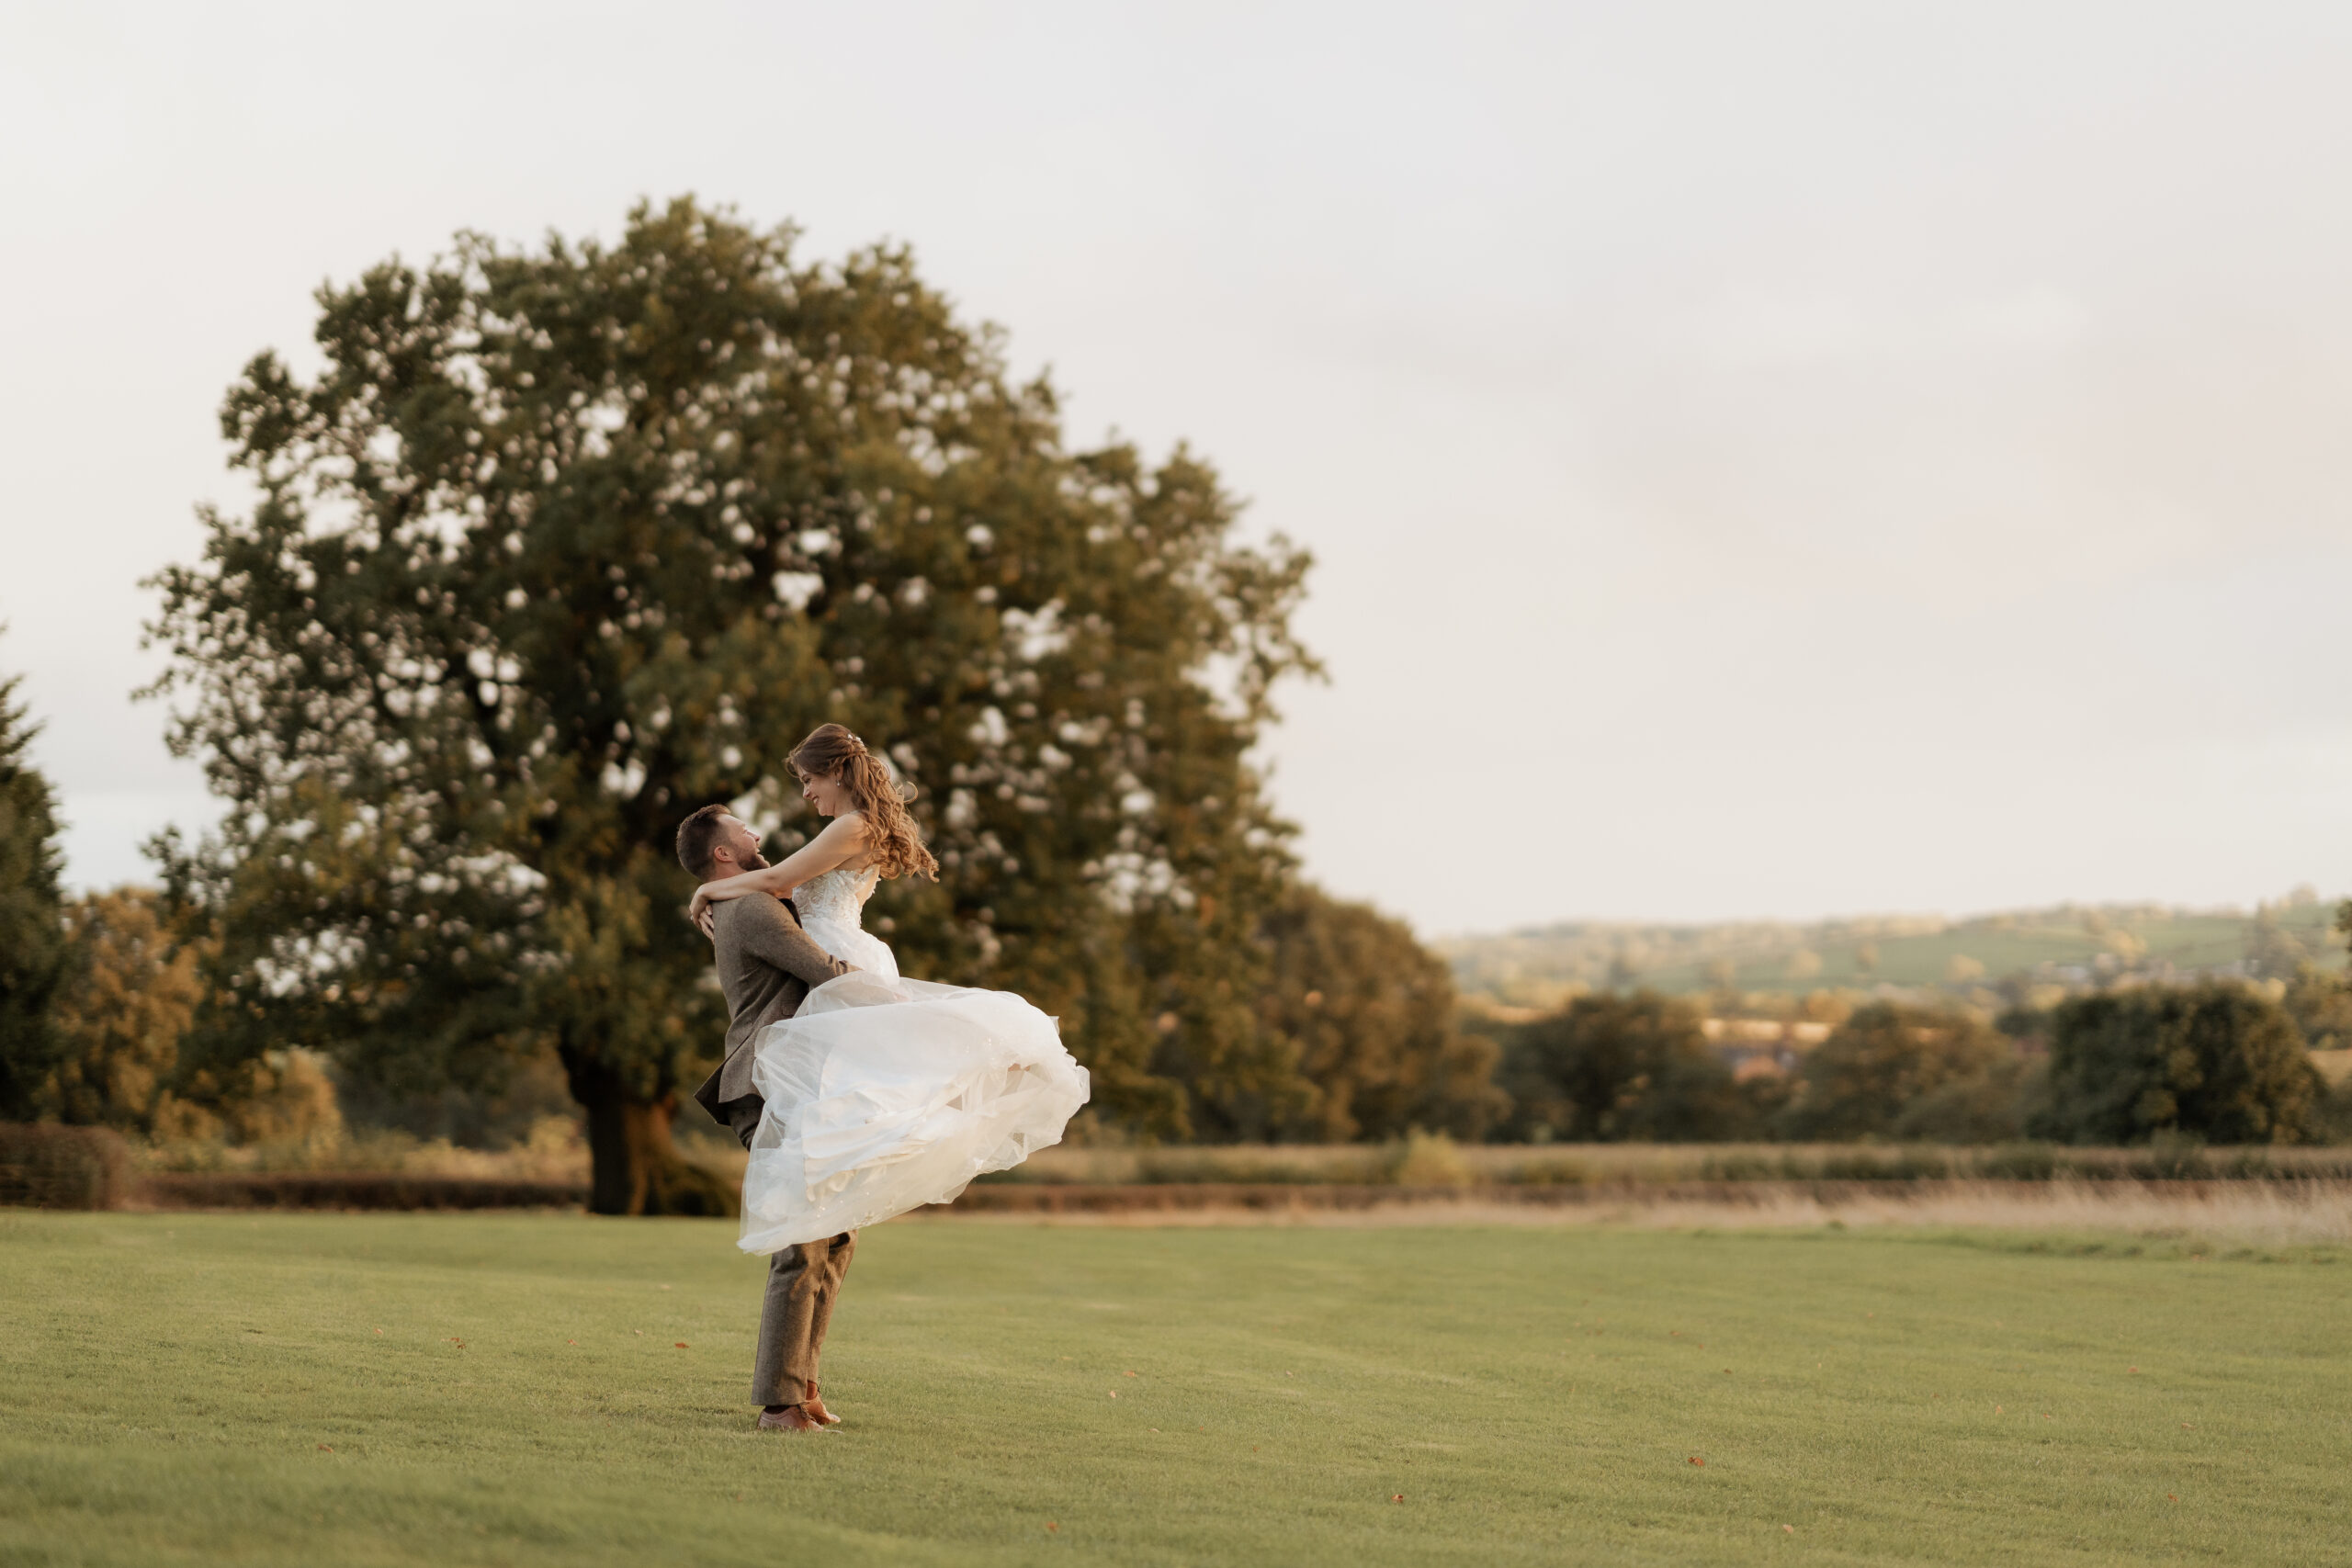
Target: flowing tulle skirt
pixel 883 1094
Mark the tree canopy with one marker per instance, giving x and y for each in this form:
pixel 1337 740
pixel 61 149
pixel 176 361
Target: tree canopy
pixel 1894 1068
pixel 1369 1011
pixel 33 952
pixel 1612 1068
pixel 560 544
pixel 2215 1061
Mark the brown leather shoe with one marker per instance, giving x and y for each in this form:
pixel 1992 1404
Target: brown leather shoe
pixel 791 1418
pixel 816 1408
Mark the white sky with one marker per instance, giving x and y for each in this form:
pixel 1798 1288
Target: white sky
pixel 1763 459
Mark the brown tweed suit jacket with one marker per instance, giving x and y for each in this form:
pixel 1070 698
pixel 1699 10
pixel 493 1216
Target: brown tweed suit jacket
pixel 767 964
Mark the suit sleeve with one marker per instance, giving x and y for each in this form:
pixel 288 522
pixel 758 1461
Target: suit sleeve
pixel 775 937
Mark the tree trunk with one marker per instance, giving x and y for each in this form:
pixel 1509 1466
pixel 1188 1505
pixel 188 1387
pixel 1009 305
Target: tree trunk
pixel 634 1168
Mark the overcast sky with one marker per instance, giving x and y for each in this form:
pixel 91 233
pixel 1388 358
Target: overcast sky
pixel 1780 459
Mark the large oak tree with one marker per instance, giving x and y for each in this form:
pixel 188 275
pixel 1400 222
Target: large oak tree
pixel 559 544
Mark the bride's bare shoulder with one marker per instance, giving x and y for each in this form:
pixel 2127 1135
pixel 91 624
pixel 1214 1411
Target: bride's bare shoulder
pixel 849 828
pixel 849 831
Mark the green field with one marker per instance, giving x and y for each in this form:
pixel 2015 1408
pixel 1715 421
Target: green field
pixel 2067 946
pixel 333 1389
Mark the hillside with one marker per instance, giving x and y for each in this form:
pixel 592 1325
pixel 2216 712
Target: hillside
pixel 1985 959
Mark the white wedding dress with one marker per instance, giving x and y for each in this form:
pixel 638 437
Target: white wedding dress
pixel 883 1094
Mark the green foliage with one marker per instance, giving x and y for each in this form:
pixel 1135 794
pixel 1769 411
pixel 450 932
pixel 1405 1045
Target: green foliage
pixel 120 1023
pixel 33 954
pixel 2320 1001
pixel 1428 1160
pixel 1894 1070
pixel 560 544
pixel 2272 951
pixel 1991 1107
pixel 2217 1062
pixel 133 996
pixel 1612 1067
pixel 1369 1012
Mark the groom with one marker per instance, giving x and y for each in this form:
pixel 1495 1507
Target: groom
pixel 767 964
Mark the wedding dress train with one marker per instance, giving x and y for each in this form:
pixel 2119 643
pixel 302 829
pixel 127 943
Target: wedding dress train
pixel 883 1094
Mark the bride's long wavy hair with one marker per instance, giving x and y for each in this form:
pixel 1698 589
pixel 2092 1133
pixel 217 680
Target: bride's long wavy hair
pixel 832 752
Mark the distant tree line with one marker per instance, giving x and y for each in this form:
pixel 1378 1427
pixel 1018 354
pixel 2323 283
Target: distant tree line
pixel 2218 1062
pixel 1361 1038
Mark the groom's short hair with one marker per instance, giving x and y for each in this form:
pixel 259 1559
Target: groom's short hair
pixel 698 836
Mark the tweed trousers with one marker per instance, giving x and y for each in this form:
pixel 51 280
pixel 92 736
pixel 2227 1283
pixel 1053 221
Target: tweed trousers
pixel 803 1282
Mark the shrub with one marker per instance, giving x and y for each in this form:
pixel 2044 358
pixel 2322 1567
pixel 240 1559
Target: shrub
pixel 1429 1160
pixel 1611 1068
pixel 2216 1062
pixel 1889 1061
pixel 2320 1001
pixel 48 1167
pixel 1987 1107
pixel 120 1023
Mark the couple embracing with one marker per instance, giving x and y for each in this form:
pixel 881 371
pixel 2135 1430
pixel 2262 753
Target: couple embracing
pixel 858 1094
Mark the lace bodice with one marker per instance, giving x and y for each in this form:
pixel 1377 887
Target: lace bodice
pixel 836 897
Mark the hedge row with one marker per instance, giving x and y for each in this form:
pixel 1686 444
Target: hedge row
pixel 62 1168
pixel 347 1190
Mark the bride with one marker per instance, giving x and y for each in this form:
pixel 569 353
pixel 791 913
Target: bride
pixel 882 1093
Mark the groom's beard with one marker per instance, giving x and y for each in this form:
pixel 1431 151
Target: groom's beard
pixel 752 862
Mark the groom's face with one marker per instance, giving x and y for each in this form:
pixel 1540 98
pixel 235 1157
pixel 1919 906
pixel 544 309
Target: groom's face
pixel 738 838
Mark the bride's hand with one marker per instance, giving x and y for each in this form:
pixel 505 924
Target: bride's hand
pixel 698 908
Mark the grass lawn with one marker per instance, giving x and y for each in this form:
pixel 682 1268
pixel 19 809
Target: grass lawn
pixel 439 1388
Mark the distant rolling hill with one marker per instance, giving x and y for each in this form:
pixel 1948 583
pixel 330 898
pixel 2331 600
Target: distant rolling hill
pixel 1988 959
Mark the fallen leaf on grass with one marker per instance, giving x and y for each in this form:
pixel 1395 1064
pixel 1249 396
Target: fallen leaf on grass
pixel 458 1342
pixel 326 1447
pixel 380 1331
pixel 1788 1530
pixel 571 1341
pixel 1051 1526
pixel 2174 1496
pixel 1396 1498
pixel 2130 1368
pixel 1114 1394
pixel 1131 1374
pixel 1696 1459
pixel 2186 1427
pixel 682 1344
pixel 1151 1428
